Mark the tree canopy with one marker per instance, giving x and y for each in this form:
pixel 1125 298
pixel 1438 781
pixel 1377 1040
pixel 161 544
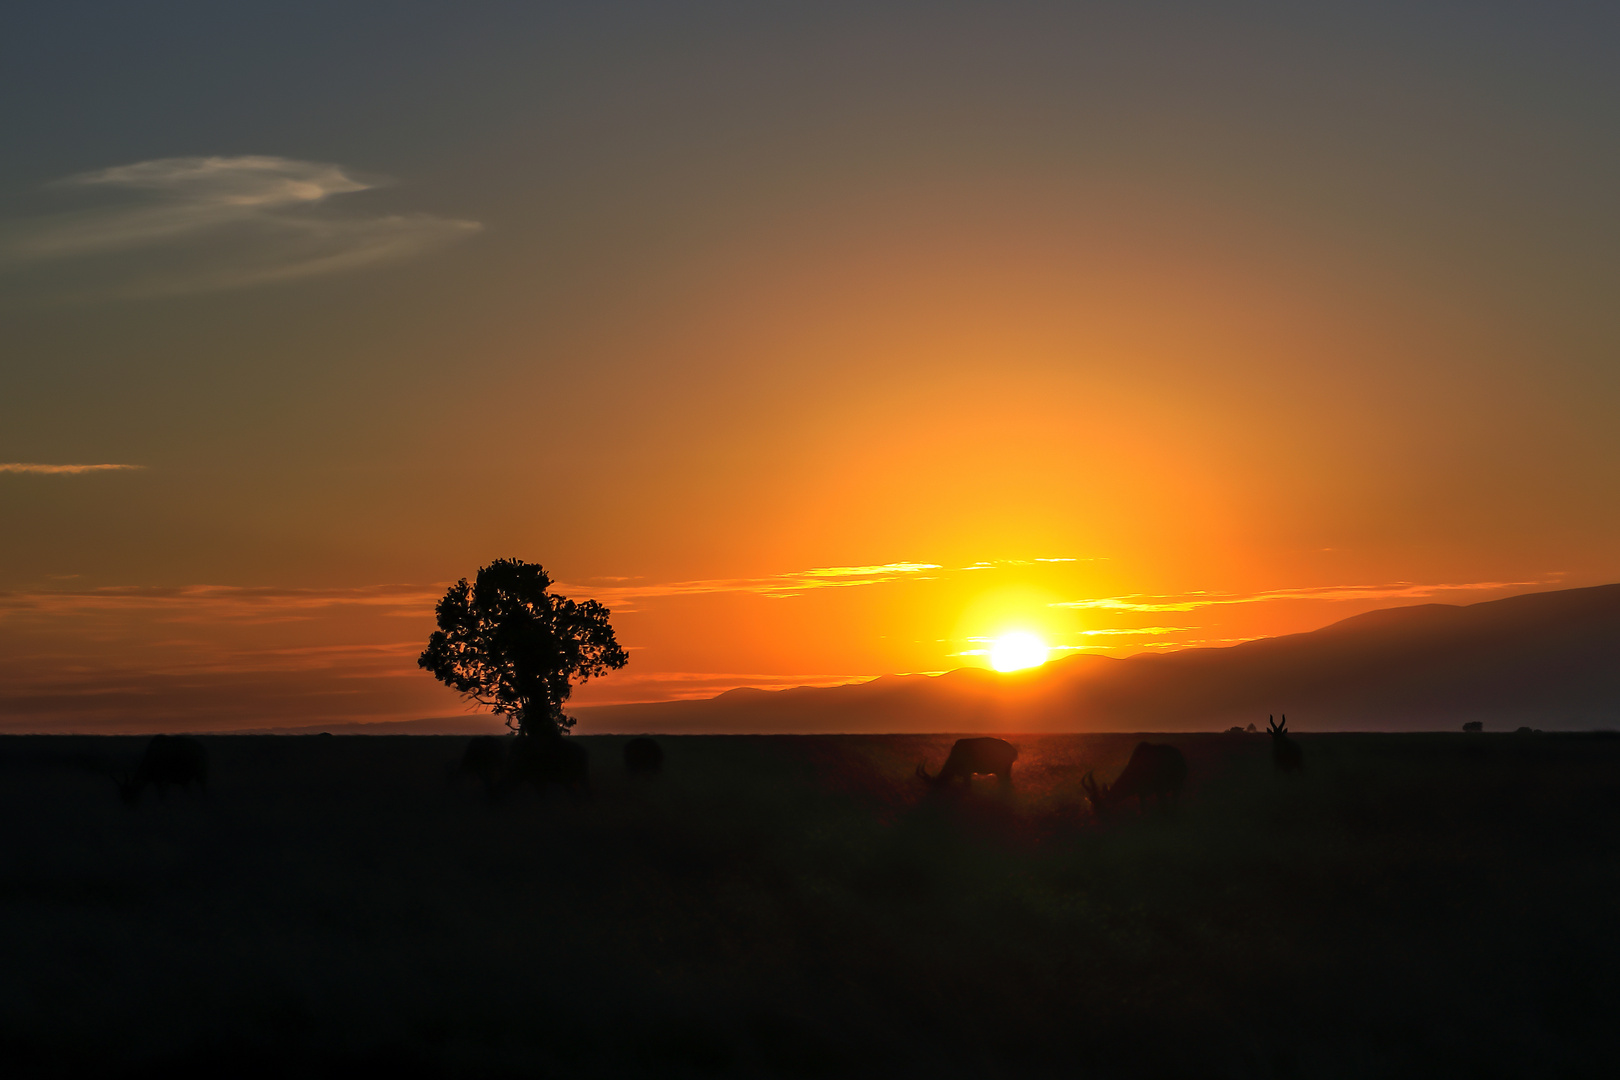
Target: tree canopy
pixel 507 643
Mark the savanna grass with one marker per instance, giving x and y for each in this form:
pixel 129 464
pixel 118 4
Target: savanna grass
pixel 1409 905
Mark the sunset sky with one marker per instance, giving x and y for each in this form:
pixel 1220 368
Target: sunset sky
pixel 818 341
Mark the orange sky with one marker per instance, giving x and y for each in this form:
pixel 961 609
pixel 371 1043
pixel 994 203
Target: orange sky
pixel 817 351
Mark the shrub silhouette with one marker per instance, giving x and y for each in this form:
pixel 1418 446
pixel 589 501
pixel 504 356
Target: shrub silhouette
pixel 483 760
pixel 643 757
pixel 502 764
pixel 541 760
pixel 169 760
pixel 507 643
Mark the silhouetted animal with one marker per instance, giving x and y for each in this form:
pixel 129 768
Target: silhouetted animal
pixel 1285 752
pixel 483 759
pixel 969 756
pixel 643 757
pixel 169 760
pixel 547 759
pixel 1156 770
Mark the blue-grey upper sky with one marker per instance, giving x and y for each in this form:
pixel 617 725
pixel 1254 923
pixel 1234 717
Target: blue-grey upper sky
pixel 1255 298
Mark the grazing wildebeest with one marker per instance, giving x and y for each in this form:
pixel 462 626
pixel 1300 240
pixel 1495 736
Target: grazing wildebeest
pixel 177 760
pixel 1285 752
pixel 969 756
pixel 547 759
pixel 1154 769
pixel 643 757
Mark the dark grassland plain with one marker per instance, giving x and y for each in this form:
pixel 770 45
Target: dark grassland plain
pixel 1417 905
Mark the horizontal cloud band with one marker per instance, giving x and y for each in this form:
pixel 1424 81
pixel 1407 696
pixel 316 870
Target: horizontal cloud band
pixel 777 585
pixel 62 470
pixel 1402 590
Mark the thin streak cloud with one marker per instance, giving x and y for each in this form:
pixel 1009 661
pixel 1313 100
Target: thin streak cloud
pixel 1403 590
pixel 778 585
pixel 1148 631
pixel 210 603
pixel 179 225
pixel 63 470
pixel 204 603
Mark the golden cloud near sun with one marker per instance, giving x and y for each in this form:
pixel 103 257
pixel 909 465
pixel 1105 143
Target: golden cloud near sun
pixel 1018 650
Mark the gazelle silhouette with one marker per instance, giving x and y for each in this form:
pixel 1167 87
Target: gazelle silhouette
pixel 1285 752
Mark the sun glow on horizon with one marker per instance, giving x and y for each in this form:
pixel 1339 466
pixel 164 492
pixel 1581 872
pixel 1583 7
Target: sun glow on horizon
pixel 1016 651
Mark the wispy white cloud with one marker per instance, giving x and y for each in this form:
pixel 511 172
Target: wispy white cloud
pixel 62 470
pixel 176 225
pixel 1401 590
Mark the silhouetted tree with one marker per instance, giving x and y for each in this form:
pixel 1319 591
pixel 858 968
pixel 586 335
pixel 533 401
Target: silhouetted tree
pixel 507 643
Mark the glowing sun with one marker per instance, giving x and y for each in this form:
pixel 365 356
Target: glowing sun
pixel 1018 650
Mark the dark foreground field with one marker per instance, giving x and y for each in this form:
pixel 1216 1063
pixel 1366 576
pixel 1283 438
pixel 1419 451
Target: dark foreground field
pixel 1412 905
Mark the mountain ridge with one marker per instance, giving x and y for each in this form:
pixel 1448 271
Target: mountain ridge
pixel 1548 659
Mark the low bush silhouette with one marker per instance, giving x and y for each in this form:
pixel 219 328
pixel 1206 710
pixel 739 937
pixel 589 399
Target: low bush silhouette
pixel 643 757
pixel 168 761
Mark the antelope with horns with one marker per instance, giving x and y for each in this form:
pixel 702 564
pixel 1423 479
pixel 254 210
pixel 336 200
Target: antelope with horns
pixel 1156 770
pixel 177 760
pixel 969 756
pixel 1285 752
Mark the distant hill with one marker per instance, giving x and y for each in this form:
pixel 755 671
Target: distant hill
pixel 1549 660
pixel 474 724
